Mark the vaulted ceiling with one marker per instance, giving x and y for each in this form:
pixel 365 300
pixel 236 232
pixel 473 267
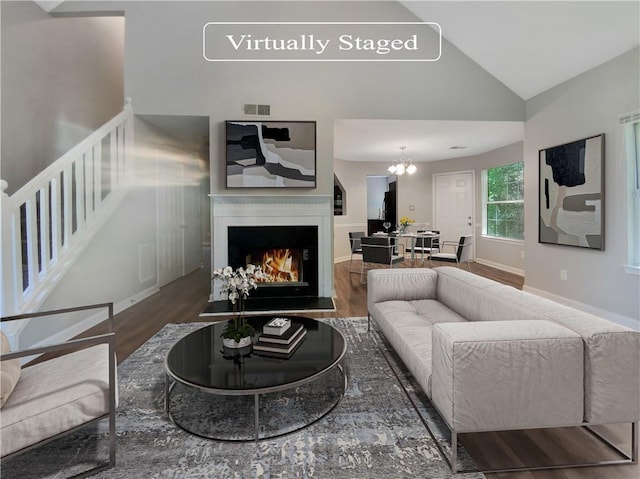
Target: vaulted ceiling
pixel 529 46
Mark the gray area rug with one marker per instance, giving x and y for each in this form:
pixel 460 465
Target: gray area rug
pixel 374 431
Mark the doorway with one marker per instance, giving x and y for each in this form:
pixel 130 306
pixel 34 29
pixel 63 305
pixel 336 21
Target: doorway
pixel 382 194
pixel 453 204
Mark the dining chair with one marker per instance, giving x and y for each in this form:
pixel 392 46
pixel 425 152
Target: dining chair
pixel 379 250
pixel 462 251
pixel 354 241
pixel 429 243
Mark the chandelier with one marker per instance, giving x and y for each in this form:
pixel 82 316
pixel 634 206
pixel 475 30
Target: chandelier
pixel 405 165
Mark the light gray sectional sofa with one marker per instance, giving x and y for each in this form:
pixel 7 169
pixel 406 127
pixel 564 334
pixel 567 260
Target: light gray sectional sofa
pixel 491 357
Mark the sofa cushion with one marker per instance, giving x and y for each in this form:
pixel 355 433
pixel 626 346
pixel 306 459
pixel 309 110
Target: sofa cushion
pixel 431 310
pixel 55 396
pixel 410 335
pixel 469 295
pixel 9 371
pixel 507 375
pixel 401 284
pixel 436 312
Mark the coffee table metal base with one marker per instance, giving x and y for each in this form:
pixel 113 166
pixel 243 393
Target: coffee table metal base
pixel 170 385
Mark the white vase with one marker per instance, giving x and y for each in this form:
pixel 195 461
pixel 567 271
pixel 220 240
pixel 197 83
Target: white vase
pixel 232 343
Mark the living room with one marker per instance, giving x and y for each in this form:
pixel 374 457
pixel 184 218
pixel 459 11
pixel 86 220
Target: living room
pixel 162 70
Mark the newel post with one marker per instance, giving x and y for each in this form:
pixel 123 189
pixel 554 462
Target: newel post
pixel 9 256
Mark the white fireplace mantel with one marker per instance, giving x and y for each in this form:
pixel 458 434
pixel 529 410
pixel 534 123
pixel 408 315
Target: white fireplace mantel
pixel 273 210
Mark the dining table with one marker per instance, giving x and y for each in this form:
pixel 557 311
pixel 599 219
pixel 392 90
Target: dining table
pixel 412 239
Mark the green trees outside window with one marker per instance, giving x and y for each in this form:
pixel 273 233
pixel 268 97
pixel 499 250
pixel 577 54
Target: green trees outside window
pixel 504 201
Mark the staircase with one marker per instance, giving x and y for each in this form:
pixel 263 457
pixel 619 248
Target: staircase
pixel 49 221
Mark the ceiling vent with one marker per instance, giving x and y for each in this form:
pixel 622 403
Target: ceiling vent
pixel 252 109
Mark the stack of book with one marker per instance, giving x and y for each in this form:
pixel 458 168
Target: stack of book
pixel 280 337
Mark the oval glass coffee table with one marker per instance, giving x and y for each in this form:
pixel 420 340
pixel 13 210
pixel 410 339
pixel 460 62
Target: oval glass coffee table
pixel 208 388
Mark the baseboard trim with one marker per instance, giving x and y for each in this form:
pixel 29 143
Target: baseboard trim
pixel 616 318
pixel 93 320
pixel 503 267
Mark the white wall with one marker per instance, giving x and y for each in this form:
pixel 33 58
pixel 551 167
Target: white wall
pixel 61 79
pixel 585 106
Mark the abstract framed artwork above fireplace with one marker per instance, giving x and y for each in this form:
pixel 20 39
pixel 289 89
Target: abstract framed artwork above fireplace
pixel 290 236
pixel 270 154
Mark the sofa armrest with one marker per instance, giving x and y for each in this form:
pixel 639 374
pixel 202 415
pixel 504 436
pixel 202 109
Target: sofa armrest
pixel 400 284
pixel 501 375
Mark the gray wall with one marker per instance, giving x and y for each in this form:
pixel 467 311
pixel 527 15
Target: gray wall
pixel 585 106
pixel 61 79
pixel 166 74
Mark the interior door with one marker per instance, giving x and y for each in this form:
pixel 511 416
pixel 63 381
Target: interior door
pixel 453 205
pixel 191 224
pixel 169 211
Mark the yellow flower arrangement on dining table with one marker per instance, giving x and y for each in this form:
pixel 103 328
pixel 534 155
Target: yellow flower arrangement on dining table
pixel 404 222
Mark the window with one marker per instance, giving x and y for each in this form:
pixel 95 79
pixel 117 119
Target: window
pixel 503 200
pixel 631 126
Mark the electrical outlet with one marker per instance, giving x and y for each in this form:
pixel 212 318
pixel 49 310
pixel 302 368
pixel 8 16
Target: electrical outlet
pixel 522 254
pixel 563 274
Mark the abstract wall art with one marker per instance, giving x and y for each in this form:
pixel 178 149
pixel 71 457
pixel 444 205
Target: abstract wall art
pixel 571 194
pixel 271 154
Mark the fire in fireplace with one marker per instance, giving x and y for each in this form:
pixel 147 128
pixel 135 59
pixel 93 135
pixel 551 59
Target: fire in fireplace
pixel 280 265
pixel 288 255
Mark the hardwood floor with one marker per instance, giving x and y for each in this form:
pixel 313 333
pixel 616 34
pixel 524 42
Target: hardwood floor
pixel 184 299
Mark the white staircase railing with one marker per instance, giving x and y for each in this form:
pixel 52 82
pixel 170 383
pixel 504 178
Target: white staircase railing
pixel 47 222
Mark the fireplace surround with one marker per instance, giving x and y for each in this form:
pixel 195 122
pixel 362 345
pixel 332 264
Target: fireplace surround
pixel 248 215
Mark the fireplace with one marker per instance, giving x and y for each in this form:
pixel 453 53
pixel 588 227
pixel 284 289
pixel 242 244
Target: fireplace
pixel 286 232
pixel 288 256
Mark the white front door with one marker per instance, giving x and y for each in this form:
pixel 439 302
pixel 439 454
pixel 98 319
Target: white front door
pixel 453 195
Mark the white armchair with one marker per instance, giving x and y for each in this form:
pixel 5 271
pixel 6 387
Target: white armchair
pixel 69 386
